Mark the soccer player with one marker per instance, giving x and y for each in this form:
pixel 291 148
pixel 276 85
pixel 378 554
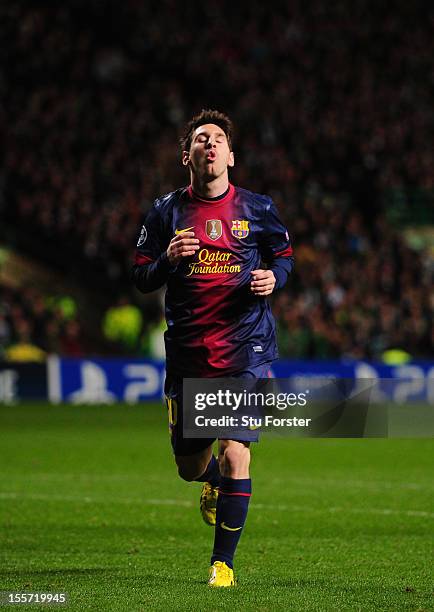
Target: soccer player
pixel 210 243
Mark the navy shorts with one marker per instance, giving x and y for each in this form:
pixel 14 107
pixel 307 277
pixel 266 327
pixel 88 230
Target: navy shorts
pixel 174 400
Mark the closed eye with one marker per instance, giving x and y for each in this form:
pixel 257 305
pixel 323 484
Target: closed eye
pixel 220 138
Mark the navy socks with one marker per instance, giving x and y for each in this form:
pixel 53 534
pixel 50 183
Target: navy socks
pixel 232 506
pixel 211 474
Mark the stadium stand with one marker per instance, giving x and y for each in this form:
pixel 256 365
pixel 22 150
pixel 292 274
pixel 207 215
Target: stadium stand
pixel 333 109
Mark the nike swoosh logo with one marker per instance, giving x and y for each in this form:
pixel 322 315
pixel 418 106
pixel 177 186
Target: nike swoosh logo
pixel 187 229
pixel 223 526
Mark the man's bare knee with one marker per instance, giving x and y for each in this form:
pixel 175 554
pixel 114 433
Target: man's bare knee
pixel 191 467
pixel 188 473
pixel 235 459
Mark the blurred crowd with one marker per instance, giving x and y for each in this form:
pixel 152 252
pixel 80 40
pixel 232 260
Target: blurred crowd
pixel 332 104
pixel 33 326
pixel 359 291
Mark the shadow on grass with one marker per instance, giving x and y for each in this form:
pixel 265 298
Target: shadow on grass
pixel 332 587
pixel 101 572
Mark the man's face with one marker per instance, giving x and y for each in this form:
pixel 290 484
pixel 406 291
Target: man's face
pixel 209 155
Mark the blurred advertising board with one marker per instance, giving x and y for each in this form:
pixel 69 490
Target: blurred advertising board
pixel 23 381
pixel 104 380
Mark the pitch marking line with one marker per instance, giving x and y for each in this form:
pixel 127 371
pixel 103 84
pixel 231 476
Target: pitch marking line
pixel 189 504
pixel 323 482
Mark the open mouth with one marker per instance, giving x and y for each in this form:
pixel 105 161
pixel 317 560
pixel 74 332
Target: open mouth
pixel 211 156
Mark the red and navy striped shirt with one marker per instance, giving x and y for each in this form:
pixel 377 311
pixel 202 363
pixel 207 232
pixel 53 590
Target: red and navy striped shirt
pixel 215 325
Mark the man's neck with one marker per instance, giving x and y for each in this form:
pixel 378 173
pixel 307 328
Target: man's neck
pixel 213 189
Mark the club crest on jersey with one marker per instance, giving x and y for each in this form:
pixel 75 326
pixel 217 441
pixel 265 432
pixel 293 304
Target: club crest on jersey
pixel 240 228
pixel 213 229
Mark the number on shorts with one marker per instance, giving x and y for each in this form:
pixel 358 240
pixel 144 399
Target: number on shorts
pixel 172 408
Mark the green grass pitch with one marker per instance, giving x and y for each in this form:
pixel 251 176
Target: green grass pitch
pixel 90 504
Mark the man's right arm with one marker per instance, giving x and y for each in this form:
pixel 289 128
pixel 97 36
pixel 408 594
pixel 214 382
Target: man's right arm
pixel 153 261
pixel 151 266
pixel 148 275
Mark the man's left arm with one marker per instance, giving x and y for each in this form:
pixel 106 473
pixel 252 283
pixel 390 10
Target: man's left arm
pixel 276 251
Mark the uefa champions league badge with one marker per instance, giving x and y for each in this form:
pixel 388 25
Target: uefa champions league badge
pixel 240 228
pixel 143 236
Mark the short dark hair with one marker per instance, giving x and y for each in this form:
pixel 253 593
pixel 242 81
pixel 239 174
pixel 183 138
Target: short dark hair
pixel 207 116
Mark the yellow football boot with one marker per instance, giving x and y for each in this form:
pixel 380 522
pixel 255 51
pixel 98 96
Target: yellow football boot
pixel 221 575
pixel 208 503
